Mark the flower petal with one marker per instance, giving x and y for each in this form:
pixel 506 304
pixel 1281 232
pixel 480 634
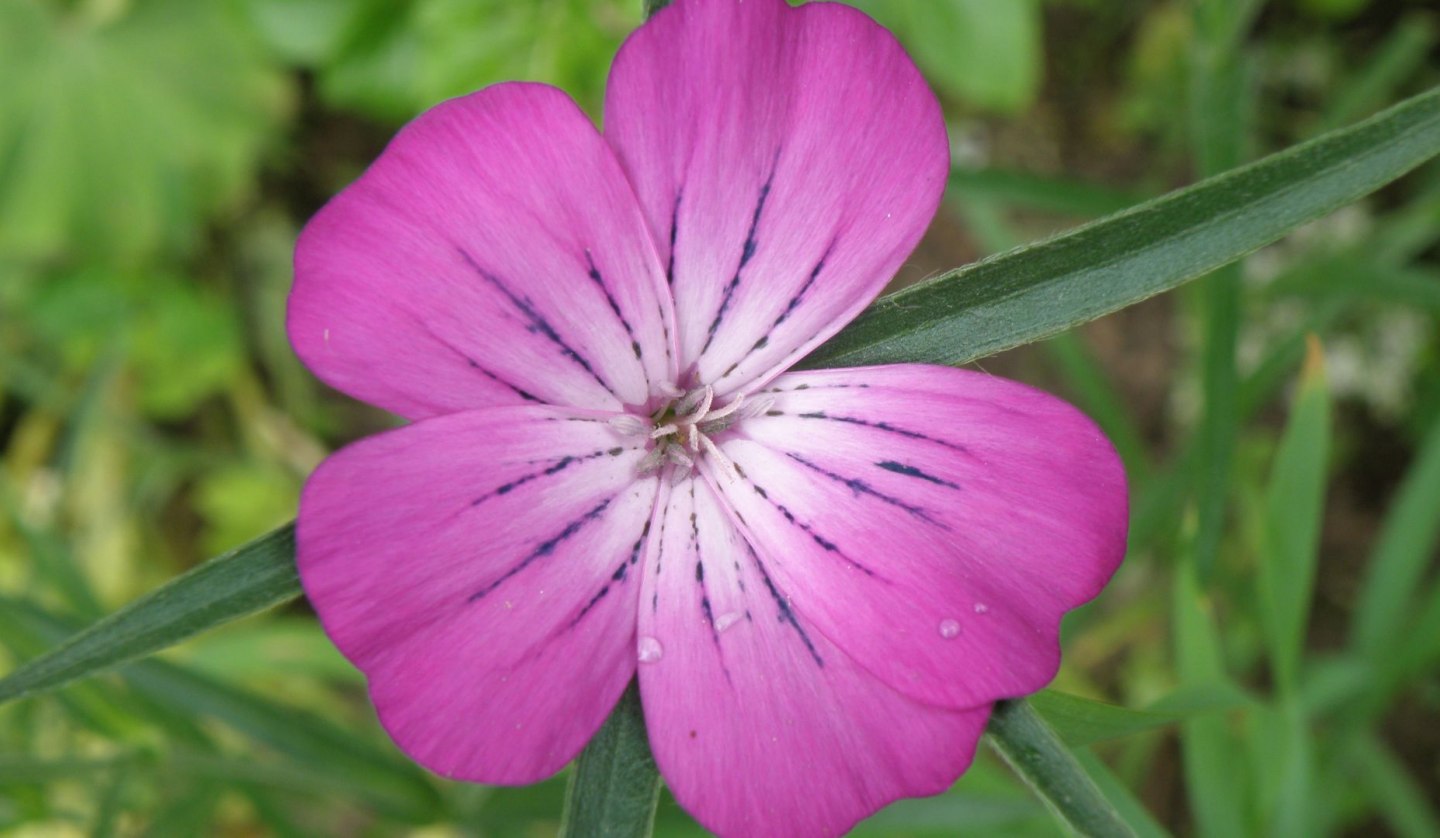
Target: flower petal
pixel 759 724
pixel 788 161
pixel 935 523
pixel 493 254
pixel 467 564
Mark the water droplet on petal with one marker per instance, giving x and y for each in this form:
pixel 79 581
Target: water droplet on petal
pixel 949 629
pixel 648 650
pixel 725 621
pixel 981 608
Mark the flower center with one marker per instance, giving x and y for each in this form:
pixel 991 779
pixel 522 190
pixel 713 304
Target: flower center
pixel 680 431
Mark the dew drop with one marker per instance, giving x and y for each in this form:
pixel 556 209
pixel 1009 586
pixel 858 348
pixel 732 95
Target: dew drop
pixel 981 608
pixel 949 629
pixel 648 650
pixel 725 621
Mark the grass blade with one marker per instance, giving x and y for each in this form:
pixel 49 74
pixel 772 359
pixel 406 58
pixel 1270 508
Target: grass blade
pixel 1082 721
pixel 1402 552
pixel 251 578
pixel 1037 291
pixel 1290 532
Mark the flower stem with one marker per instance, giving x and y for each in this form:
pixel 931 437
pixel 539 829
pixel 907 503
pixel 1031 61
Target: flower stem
pixel 615 786
pixel 653 6
pixel 1035 753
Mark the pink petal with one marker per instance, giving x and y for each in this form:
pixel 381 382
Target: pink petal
pixel 935 523
pixel 494 254
pixel 480 569
pixel 760 725
pixel 788 161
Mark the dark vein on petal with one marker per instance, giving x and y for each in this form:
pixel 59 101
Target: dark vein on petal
pixel 789 309
pixel 799 387
pixel 786 614
pixel 546 547
pixel 866 423
pixel 912 471
pixel 475 365
pixel 659 559
pixel 549 471
pixel 595 277
pixel 861 488
pixel 538 323
pixel 620 576
pixel 825 544
pixel 498 380
pixel 747 252
pixel 705 606
pixel 674 230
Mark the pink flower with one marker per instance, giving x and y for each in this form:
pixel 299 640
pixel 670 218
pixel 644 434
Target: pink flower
pixel 823 579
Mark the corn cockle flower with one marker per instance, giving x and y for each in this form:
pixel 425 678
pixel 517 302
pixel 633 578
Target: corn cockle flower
pixel 823 579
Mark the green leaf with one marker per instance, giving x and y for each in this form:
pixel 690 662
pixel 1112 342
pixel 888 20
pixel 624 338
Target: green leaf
pixel 1139 819
pixel 123 125
pixel 1402 552
pixel 615 786
pixel 303 32
pixel 1405 50
pixel 1083 721
pixel 1033 292
pixel 984 52
pixel 398 60
pixel 1408 808
pixel 251 578
pixel 1039 192
pixel 1215 779
pixel 343 761
pixel 1356 275
pixel 1290 530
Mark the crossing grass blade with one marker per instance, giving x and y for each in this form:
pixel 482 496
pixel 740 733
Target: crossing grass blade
pixel 1033 292
pixel 253 577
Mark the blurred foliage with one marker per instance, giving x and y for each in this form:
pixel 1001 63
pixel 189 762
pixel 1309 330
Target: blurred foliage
pixel 124 127
pixel 986 53
pixel 158 156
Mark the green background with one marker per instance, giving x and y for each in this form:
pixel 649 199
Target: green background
pixel 1275 630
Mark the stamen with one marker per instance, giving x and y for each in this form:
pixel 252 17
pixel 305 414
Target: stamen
pixel 664 430
pixel 678 455
pixel 726 410
pixel 694 437
pixel 722 424
pixel 687 405
pixel 652 460
pixel 756 406
pixel 669 390
pixel 706 401
pixel 727 467
pixel 627 424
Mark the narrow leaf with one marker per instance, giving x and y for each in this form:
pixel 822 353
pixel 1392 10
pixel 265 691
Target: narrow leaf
pixel 1082 721
pixel 615 786
pixel 1131 809
pixel 1036 291
pixel 1293 509
pixel 1215 778
pixel 1406 807
pixel 1402 552
pixel 350 764
pixel 253 577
